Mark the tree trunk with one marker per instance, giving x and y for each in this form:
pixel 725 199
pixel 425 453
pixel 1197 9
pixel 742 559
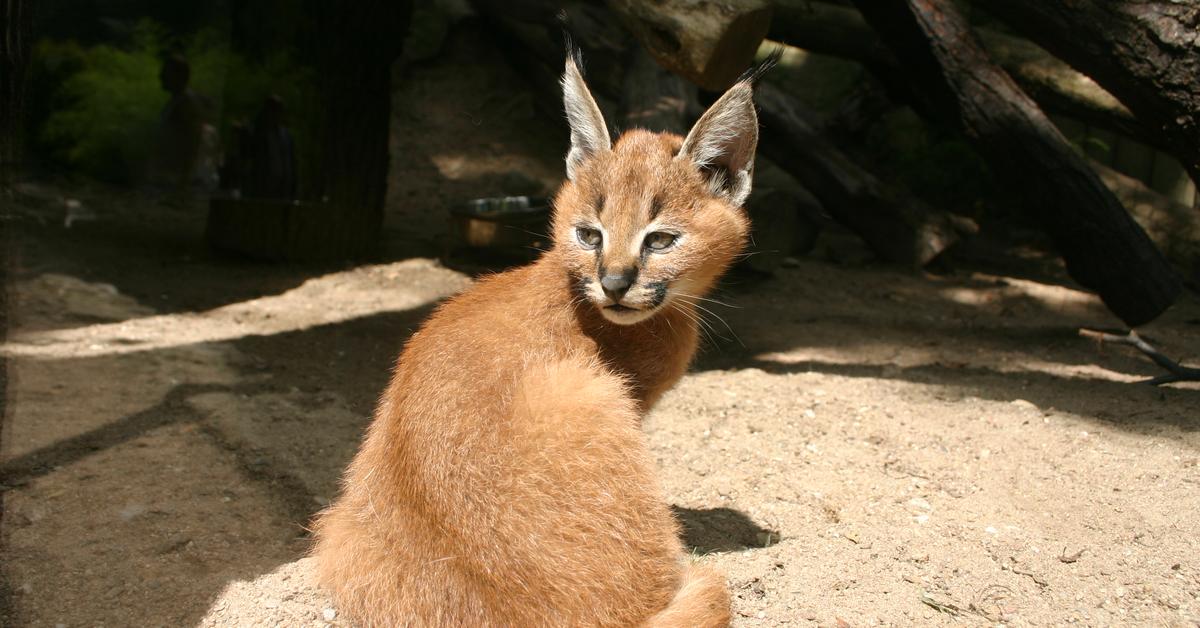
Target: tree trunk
pixel 356 44
pixel 1104 249
pixel 14 62
pixel 841 31
pixel 708 42
pixel 1146 52
pixel 898 227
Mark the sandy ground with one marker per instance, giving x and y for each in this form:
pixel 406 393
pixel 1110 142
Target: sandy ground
pixel 856 445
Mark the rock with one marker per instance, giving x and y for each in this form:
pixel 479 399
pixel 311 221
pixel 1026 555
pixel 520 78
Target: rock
pixel 1021 403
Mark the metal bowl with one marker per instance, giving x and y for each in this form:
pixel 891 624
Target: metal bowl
pixel 513 224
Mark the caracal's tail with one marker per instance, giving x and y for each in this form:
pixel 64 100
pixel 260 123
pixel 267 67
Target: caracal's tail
pixel 702 601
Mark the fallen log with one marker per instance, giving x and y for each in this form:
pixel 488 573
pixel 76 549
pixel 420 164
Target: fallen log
pixel 1144 52
pixel 708 42
pixel 1174 227
pixel 896 225
pixel 1104 249
pixel 841 31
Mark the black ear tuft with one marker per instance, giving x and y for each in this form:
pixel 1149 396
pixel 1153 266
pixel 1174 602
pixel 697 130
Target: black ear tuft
pixel 755 73
pixel 573 51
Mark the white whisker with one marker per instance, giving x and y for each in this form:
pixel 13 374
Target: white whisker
pixel 697 305
pixel 721 303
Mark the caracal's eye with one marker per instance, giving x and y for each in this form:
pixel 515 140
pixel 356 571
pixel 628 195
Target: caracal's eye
pixel 589 238
pixel 659 240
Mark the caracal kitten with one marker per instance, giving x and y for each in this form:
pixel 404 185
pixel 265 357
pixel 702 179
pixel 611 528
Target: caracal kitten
pixel 505 480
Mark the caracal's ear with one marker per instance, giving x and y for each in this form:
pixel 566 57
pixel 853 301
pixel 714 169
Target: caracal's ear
pixel 722 143
pixel 589 135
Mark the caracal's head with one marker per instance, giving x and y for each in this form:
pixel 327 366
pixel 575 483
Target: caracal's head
pixel 651 222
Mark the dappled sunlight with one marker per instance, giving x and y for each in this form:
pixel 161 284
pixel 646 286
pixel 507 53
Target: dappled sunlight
pixel 791 58
pixel 876 355
pixel 459 166
pixel 331 298
pixel 883 325
pixel 1053 298
pixel 46 300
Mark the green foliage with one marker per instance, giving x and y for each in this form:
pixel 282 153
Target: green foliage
pixel 105 112
pixel 106 99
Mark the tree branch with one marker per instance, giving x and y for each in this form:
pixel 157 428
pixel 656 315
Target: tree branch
pixel 1175 371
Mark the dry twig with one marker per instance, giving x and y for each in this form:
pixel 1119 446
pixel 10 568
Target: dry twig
pixel 947 607
pixel 1041 582
pixel 1175 371
pixel 1070 558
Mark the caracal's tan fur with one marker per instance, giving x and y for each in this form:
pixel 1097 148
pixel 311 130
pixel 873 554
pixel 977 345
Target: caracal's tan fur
pixel 505 480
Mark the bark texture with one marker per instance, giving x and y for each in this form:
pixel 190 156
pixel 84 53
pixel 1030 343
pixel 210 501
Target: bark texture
pixel 1174 227
pixel 1104 249
pixel 841 31
pixel 709 42
pixel 1146 52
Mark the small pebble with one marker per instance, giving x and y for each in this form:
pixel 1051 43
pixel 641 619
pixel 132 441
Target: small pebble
pixel 329 614
pixel 130 511
pixel 918 502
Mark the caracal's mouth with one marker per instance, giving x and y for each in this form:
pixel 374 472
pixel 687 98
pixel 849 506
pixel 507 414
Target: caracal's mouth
pixel 625 314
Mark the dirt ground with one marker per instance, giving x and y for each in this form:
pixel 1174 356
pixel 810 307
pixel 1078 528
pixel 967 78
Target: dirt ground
pixel 856 445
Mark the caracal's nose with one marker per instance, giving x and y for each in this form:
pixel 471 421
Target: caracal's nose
pixel 616 284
